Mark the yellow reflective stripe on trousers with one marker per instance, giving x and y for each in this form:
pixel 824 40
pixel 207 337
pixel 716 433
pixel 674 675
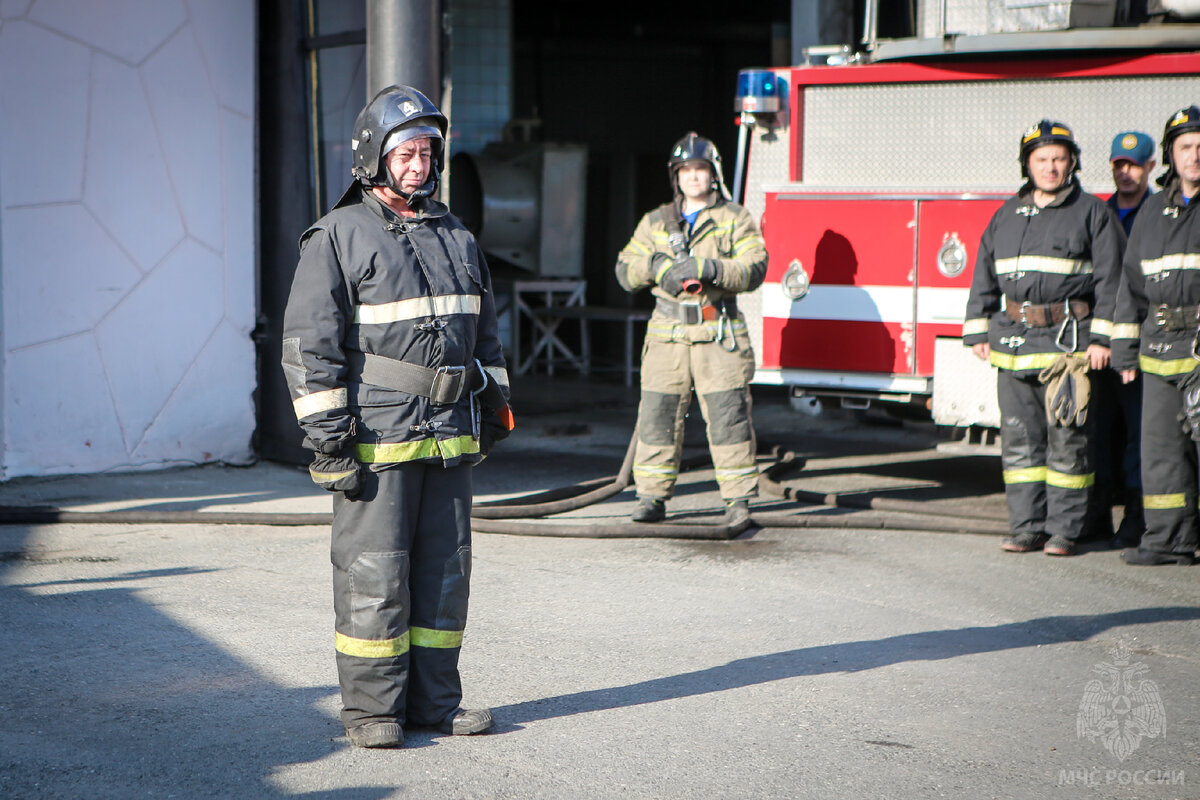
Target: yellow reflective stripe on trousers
pixel 1026 475
pixel 372 648
pixel 396 452
pixel 319 401
pixel 736 473
pixel 415 307
pixel 1150 266
pixel 1056 266
pixel 650 471
pixel 1166 366
pixel 429 637
pixel 1013 362
pixel 1164 501
pixel 1065 480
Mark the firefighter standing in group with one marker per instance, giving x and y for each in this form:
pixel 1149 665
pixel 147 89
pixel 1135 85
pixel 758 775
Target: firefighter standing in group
pixel 393 359
pixel 696 254
pixel 1040 310
pixel 1117 435
pixel 1157 329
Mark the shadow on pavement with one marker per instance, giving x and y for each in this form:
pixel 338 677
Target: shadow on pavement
pixel 846 657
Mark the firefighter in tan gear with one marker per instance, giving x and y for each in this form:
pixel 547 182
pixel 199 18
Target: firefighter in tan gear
pixel 1040 309
pixel 1158 330
pixel 392 356
pixel 695 254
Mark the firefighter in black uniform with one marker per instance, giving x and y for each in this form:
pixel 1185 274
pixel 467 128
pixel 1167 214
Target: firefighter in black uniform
pixel 393 360
pixel 1040 310
pixel 1158 329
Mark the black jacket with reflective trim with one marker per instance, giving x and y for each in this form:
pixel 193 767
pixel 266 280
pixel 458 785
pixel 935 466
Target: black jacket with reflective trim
pixel 1161 267
pixel 1069 249
pixel 412 289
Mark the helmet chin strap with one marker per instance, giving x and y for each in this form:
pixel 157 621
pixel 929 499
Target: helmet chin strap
pixel 416 195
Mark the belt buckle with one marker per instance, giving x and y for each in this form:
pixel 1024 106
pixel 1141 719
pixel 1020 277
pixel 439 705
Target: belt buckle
pixel 447 385
pixel 692 313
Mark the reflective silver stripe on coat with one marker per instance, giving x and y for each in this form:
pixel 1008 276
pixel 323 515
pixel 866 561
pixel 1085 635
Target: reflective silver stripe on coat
pixel 1126 330
pixel 498 374
pixel 319 401
pixel 417 307
pixel 1057 266
pixel 1153 266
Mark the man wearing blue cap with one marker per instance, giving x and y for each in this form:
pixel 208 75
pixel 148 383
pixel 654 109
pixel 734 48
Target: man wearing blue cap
pixel 1118 406
pixel 1132 162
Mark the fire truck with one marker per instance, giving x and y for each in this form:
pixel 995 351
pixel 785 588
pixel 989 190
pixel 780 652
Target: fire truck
pixel 874 180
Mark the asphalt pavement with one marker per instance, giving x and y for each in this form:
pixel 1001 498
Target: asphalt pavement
pixel 882 658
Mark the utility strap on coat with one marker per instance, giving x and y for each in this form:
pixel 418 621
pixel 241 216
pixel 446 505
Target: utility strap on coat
pixel 1043 315
pixel 442 385
pixel 694 313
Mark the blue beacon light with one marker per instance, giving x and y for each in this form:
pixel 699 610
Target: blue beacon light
pixel 757 92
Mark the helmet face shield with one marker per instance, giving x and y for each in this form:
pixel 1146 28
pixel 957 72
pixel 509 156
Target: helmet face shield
pixel 395 109
pixel 694 147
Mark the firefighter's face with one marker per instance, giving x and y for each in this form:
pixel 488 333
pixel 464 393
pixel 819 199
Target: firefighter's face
pixel 409 164
pixel 1131 178
pixel 1050 167
pixel 695 179
pixel 1185 155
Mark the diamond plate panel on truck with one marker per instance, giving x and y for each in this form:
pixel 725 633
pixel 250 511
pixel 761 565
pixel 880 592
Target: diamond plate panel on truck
pixel 965 136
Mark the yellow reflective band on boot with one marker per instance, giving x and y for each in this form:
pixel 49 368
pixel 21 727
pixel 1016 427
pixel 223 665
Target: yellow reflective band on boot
pixel 428 637
pixel 1027 475
pixel 1065 480
pixel 1164 501
pixel 372 648
pixel 1161 366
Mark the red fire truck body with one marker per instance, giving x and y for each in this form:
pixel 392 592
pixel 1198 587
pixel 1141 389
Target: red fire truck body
pixel 875 182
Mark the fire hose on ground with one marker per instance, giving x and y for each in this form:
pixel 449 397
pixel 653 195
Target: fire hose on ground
pixel 526 515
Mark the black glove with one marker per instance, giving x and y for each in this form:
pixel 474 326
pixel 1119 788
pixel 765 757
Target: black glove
pixel 1189 417
pixel 710 271
pixel 493 428
pixel 684 275
pixel 334 466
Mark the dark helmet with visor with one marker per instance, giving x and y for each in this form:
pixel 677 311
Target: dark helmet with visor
pixel 396 115
pixel 1185 120
pixel 1047 132
pixel 694 147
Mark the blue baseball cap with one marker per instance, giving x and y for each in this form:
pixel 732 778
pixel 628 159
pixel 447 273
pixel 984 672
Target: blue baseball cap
pixel 1132 146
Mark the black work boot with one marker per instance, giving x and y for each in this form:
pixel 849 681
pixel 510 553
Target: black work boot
pixel 376 734
pixel 467 721
pixel 1148 558
pixel 650 509
pixel 1133 524
pixel 737 512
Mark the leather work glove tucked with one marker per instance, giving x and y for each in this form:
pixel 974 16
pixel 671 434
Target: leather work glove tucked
pixel 338 471
pixel 1068 391
pixel 1189 417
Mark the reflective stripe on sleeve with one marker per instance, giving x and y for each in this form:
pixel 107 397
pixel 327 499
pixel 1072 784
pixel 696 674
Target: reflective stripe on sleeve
pixel 1056 266
pixel 417 307
pixel 1164 501
pixel 1125 330
pixel 371 648
pixel 430 637
pixel 319 401
pixel 1102 327
pixel 973 327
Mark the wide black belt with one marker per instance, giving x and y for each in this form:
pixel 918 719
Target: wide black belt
pixel 442 385
pixel 1043 315
pixel 695 313
pixel 1176 318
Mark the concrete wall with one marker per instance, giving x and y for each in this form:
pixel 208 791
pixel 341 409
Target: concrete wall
pixel 127 228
